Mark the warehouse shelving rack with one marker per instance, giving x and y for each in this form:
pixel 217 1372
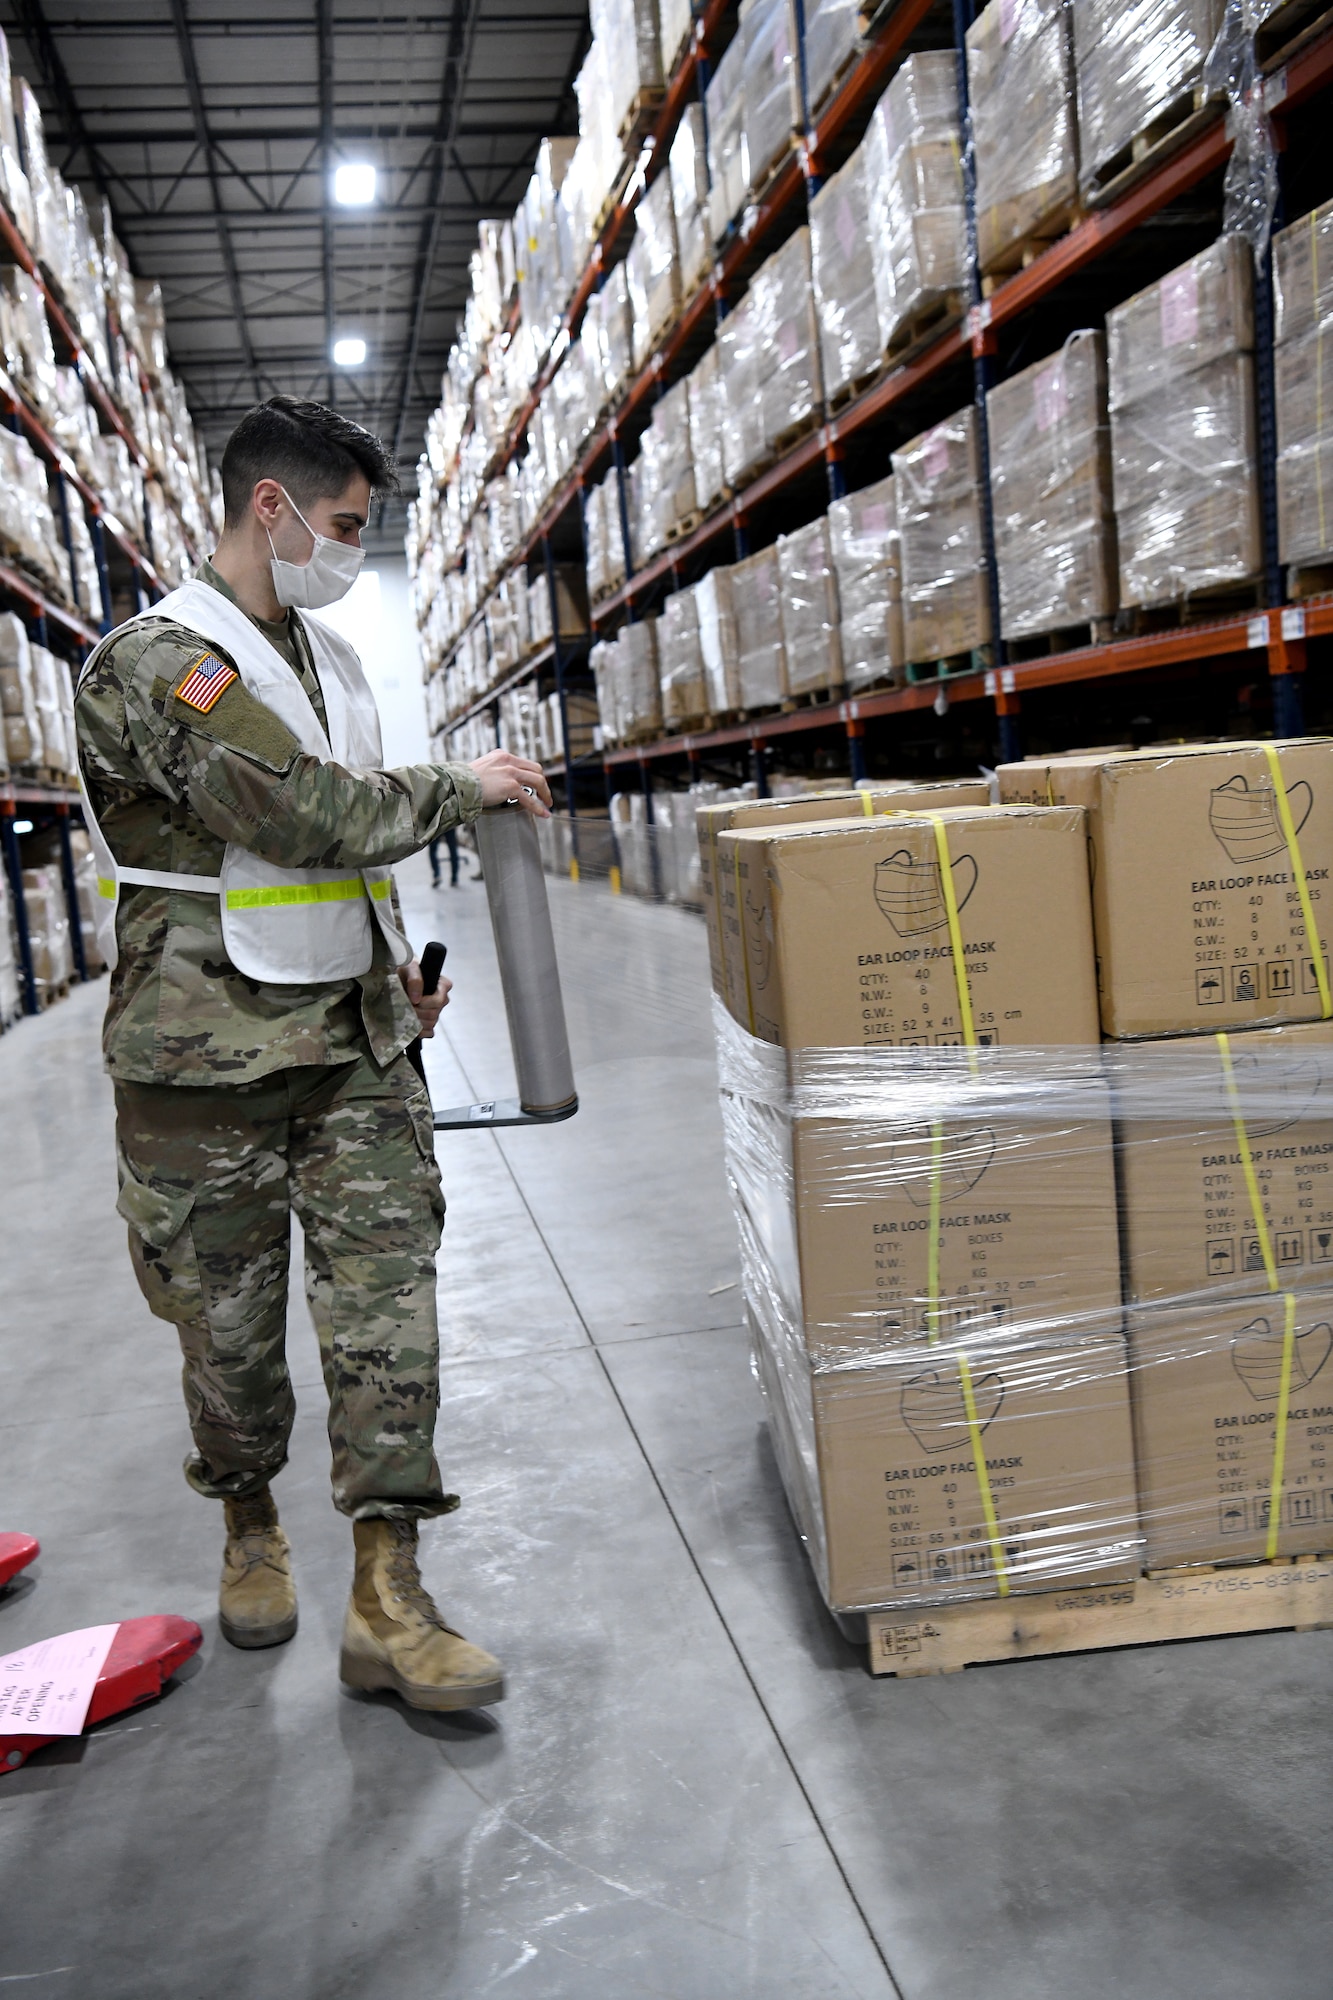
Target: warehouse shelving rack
pixel 1277 637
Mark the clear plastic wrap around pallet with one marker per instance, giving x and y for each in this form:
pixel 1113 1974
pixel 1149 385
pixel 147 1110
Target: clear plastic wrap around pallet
pixel 844 278
pixel 832 39
pixel 810 620
pixel 707 415
pixel 756 603
pixel 1183 433
pixel 653 268
pixel 866 556
pixel 790 382
pixel 665 473
pixel 1021 91
pixel 914 192
pixel 771 85
pixel 688 169
pixel 1139 65
pixel 719 640
pixel 1031 1312
pixel 1050 446
pixel 724 106
pixel 739 344
pixel 1303 297
pixel 681 662
pixel 945 597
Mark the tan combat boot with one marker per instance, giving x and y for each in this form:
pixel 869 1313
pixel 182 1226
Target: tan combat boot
pixel 257 1601
pixel 395 1638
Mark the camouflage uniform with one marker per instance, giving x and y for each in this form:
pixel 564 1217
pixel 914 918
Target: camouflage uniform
pixel 238 1102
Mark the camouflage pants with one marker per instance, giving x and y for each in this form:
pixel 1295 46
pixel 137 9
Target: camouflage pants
pixel 209 1178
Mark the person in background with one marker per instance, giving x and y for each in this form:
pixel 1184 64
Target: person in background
pixel 450 839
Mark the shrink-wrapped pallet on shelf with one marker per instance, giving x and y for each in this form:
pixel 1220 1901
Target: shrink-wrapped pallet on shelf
pixel 604 664
pixel 1021 91
pixel 14 188
pixel 87 896
pixel 739 401
pixel 1303 296
pixel 602 539
pixel 809 594
pixel 675 27
pixel 914 193
pixel 676 498
pixel 29 355
pixel 540 275
pixel 832 40
pixel 1138 65
pixel 1183 443
pixel 756 600
pixel 1050 459
pixel 680 663
pixel 719 640
pixel 864 547
pixel 18 694
pixel 791 389
pixel 615 330
pixel 11 993
pixel 629 32
pixel 48 931
pixel 772 86
pixel 844 279
pixel 945 596
pixel 49 208
pixel 706 420
pixel 688 170
pixel 724 107
pixel 640 687
pixel 652 268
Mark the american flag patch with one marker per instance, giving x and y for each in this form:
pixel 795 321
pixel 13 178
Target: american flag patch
pixel 207 680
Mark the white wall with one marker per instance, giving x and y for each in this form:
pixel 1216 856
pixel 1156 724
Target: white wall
pixel 376 616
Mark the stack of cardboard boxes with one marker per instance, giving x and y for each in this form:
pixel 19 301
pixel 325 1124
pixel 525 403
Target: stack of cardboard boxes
pixel 974 1112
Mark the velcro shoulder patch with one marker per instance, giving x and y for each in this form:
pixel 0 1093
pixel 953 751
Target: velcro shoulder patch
pixel 204 682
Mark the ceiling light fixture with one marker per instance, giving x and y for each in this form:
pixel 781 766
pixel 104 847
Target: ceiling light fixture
pixel 354 184
pixel 349 352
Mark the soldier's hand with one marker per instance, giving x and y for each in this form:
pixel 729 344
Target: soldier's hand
pixel 426 1006
pixel 506 778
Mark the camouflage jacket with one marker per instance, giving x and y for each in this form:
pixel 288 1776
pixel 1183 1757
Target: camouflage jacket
pixel 170 787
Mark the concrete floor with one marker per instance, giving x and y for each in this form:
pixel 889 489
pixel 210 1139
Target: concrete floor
pixel 695 1790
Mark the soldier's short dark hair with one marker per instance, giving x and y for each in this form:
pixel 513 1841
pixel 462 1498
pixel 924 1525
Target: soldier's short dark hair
pixel 309 449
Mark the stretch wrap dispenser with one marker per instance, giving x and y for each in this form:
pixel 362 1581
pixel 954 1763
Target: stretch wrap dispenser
pixel 521 920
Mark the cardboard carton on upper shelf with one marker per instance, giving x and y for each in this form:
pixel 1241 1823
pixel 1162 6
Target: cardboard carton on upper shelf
pixel 842 936
pixel 1207 1387
pixel 1199 916
pixel 1303 274
pixel 895 795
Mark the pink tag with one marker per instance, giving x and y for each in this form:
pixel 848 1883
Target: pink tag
pixel 935 453
pixel 875 519
pixel 1180 306
pixel 1048 396
pixel 789 339
pixel 45 1689
pixel 846 228
pixel 1010 11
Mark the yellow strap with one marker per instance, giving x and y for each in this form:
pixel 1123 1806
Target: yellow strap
pixel 964 1371
pixel 955 933
pixel 1289 1299
pixel 867 805
pixel 283 894
pixel 1318 376
pixel 1302 886
pixel 1280 1434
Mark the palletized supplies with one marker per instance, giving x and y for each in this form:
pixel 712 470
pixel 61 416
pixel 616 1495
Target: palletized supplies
pixel 688 169
pixel 653 268
pixel 675 24
pixel 706 425
pixel 1303 293
pixel 1303 274
pixel 603 660
pixel 1183 436
pixel 724 105
pixel 603 540
pixel 615 330
pixel 48 928
pixel 666 471
pixel 639 688
pixel 790 385
pixel 946 606
pixel 865 551
pixel 719 640
pixel 756 599
pixel 18 694
pixel 1051 491
pixel 914 192
pixel 11 998
pixel 771 85
pixel 628 30
pixel 1021 92
pixel 1135 61
pixel 832 37
pixel 681 663
pixel 739 341
pixel 809 610
pixel 1220 854
pixel 844 278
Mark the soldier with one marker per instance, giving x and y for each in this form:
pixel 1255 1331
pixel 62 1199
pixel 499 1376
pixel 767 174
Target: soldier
pixel 262 997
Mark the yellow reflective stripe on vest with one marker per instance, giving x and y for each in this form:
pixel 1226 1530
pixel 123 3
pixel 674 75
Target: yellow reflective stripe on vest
pixel 106 888
pixel 283 894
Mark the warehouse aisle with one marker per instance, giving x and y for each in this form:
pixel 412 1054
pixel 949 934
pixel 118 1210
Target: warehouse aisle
pixel 694 1790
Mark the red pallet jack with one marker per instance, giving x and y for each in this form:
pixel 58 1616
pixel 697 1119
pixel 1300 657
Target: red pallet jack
pixel 16 1552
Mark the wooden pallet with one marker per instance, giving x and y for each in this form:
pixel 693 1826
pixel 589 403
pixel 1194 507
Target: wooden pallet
pixel 1151 1610
pixel 48 995
pixel 1298 21
pixel 686 525
pixel 807 698
pixel 1163 135
pixel 1023 250
pixel 1064 639
pixel 849 391
pixel 1309 580
pixel 922 326
pixel 851 57
pixel 639 119
pixel 792 435
pixel 1141 620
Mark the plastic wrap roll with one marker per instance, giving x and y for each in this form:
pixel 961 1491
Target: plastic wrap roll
pixel 521 920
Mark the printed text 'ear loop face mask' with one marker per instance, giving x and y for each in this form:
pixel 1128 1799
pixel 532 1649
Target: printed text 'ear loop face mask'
pixel 330 573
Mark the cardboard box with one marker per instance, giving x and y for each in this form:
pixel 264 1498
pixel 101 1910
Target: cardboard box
pixel 1187 1216
pixel 1198 917
pixel 1206 1388
pixel 897 795
pixel 887 1489
pixel 839 935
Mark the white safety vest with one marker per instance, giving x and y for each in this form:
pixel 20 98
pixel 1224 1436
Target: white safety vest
pixel 286 926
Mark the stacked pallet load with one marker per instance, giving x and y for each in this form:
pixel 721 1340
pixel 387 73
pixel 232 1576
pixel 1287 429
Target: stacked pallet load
pixel 914 185
pixel 1024 129
pixel 1183 435
pixel 1139 68
pixel 1303 298
pixel 865 549
pixel 945 591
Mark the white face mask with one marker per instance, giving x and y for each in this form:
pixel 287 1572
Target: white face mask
pixel 330 573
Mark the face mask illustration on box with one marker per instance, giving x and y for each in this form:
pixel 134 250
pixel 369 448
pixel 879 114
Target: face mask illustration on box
pixel 1248 824
pixel 934 1411
pixel 1256 1356
pixel 1285 1094
pixel 911 893
pixel 962 1159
